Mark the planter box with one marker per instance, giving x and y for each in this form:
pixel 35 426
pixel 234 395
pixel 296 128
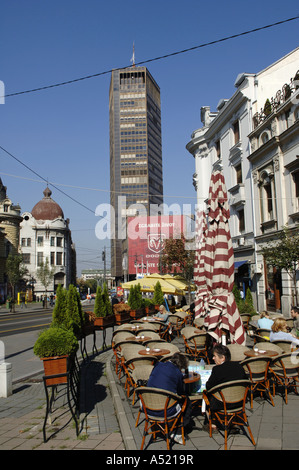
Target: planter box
pixel 122 317
pixel 56 365
pixel 136 314
pixel 104 322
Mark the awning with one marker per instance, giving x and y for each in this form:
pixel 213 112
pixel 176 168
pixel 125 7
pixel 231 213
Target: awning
pixel 240 263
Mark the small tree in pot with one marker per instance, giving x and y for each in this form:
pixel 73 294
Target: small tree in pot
pixel 55 346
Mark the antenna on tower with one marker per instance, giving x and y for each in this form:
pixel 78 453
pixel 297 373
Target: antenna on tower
pixel 133 56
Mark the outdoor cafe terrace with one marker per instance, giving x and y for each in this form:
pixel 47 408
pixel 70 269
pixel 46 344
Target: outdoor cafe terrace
pixel 139 344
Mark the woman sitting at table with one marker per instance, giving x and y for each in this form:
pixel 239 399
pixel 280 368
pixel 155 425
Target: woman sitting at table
pixel 162 315
pixel 224 370
pixel 279 331
pixel 169 376
pixel 265 321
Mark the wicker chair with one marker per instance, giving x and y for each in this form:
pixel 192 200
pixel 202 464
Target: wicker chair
pixel 196 346
pixel 245 317
pixel 231 397
pixel 257 368
pixel 237 351
pixel 264 333
pixel 137 369
pixel 172 350
pixel 176 322
pixel 285 370
pixel 155 400
pixel 188 331
pixel 286 346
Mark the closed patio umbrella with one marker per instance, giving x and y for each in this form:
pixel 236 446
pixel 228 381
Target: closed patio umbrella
pixel 218 263
pixel 202 293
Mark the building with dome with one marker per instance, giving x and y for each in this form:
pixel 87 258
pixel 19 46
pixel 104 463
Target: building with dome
pixel 45 234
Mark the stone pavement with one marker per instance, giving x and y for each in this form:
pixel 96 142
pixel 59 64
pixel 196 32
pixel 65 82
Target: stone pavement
pixel 107 419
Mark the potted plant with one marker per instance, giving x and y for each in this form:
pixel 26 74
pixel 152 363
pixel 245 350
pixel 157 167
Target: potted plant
pixel 158 298
pixel 55 346
pixel 135 302
pixel 121 313
pixel 103 317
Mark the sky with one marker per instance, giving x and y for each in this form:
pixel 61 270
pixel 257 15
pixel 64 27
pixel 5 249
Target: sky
pixel 60 135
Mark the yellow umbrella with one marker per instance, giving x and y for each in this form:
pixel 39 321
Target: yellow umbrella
pixel 147 284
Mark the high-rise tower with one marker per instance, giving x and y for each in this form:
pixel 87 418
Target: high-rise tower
pixel 135 150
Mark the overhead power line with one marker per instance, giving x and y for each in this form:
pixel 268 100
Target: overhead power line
pixel 44 179
pixel 165 56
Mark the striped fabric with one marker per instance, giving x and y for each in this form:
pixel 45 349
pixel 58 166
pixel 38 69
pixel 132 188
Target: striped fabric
pixel 202 293
pixel 214 271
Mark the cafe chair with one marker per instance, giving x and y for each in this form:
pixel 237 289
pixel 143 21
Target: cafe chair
pixel 188 331
pixel 286 346
pixel 137 369
pixel 176 323
pixel 155 343
pixel 245 317
pixel 264 333
pixel 196 346
pixel 122 336
pixel 153 335
pixel 172 348
pixel 259 339
pixel 237 351
pixel 269 346
pixel 285 373
pixel 156 400
pixel 199 322
pixel 230 410
pixel 257 369
pixel 117 348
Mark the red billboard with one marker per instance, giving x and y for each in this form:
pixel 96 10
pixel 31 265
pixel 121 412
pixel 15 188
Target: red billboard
pixel 146 240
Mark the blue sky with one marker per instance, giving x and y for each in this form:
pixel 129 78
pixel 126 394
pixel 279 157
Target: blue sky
pixel 62 133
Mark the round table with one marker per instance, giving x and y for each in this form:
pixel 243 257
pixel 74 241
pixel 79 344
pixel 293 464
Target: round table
pixel 153 352
pixel 263 352
pixel 139 339
pixel 193 382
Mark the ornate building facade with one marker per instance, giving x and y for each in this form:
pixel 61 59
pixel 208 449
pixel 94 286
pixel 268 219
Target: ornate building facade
pixel 45 234
pixel 254 136
pixel 10 219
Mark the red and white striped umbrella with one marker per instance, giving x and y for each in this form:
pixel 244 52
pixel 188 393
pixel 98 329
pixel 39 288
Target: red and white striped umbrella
pixel 202 293
pixel 218 260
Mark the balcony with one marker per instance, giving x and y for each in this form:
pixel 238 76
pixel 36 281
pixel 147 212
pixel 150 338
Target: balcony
pixel 237 195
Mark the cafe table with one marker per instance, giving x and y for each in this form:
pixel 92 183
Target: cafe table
pixel 260 353
pixel 139 339
pixel 153 352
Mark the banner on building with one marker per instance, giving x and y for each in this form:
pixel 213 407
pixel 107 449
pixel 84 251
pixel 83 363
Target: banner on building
pixel 146 241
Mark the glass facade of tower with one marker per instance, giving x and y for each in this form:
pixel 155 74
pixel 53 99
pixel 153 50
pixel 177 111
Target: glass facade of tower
pixel 135 150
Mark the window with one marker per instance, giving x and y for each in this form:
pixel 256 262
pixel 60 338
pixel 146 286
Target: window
pixel 28 241
pixel 23 242
pixel 52 258
pixel 236 131
pixel 295 176
pixel 241 218
pixel 238 169
pixel 58 259
pixel 52 241
pixel 264 137
pixel 5 208
pixel 40 257
pixel 40 241
pixel 26 258
pixel 218 151
pixel 59 241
